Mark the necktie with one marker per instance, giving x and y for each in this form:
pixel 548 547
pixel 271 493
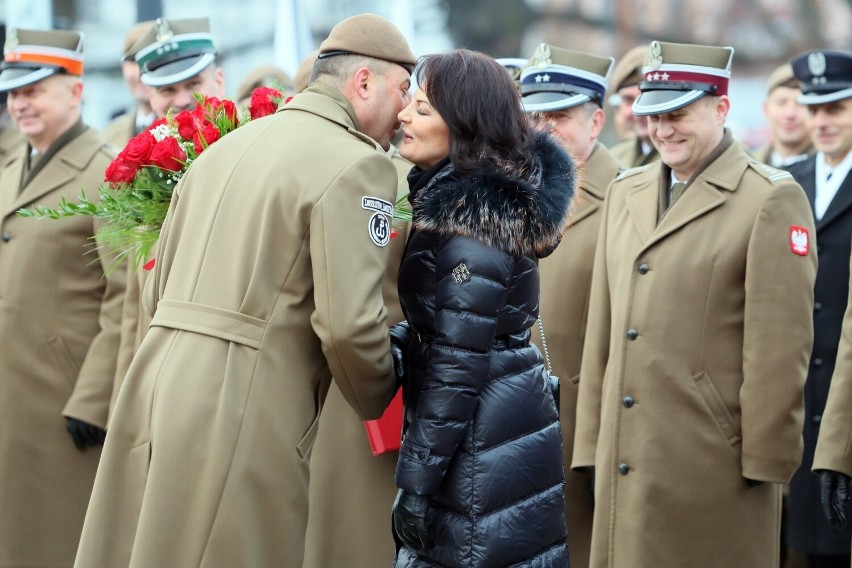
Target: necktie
pixel 676 191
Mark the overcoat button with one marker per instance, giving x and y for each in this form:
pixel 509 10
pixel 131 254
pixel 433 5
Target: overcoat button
pixel 623 468
pixel 817 306
pixel 7 236
pixel 816 418
pixel 628 402
pixel 643 268
pixel 632 334
pixel 817 362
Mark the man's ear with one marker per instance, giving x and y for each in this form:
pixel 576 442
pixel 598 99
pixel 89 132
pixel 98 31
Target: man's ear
pixel 362 82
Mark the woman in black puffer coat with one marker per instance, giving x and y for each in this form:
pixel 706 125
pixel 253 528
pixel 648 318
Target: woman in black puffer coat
pixel 480 467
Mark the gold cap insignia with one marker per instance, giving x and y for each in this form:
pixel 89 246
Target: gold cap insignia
pixel 164 32
pixel 541 57
pixel 655 55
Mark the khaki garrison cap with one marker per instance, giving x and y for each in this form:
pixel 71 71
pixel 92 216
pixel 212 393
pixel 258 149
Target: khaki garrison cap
pixel 134 35
pixel 369 35
pixel 174 50
pixel 304 72
pixel 678 74
pixel 264 76
pixel 557 79
pixel 33 55
pixel 782 77
pixel 825 76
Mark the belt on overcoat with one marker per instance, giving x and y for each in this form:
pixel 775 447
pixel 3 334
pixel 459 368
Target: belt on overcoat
pixel 210 320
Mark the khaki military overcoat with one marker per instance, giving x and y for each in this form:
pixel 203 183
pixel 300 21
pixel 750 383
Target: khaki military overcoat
pixel 566 277
pixel 352 491
pixel 267 283
pixel 628 152
pixel 695 357
pixel 59 322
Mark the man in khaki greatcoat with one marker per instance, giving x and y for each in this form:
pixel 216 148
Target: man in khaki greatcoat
pixel 188 66
pixel 267 283
pixel 690 408
pixel 59 315
pixel 569 105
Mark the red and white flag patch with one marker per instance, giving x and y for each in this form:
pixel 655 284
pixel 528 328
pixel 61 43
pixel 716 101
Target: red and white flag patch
pixel 799 240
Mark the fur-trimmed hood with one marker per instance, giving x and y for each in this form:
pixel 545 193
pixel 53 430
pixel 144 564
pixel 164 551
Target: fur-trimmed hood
pixel 523 216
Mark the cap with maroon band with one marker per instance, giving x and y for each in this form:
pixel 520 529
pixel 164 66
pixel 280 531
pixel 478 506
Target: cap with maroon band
pixel 676 75
pixel 33 55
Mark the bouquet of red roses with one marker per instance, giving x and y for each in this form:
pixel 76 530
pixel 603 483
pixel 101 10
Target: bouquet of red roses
pixel 138 184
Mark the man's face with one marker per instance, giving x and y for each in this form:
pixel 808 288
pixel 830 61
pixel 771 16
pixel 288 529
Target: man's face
pixel 45 110
pixel 787 119
pixel 831 129
pixel 576 128
pixel 210 82
pixel 685 137
pixel 387 96
pixel 141 92
pixel 637 124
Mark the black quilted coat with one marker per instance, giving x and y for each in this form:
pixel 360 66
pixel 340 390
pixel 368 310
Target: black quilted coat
pixel 482 434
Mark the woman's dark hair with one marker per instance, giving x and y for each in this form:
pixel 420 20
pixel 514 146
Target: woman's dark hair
pixel 480 104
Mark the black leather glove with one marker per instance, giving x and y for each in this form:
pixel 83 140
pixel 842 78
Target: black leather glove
pixel 399 336
pixel 410 520
pixel 84 434
pixel 834 496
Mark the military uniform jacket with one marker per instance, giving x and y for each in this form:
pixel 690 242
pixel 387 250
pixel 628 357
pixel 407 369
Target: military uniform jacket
pixel 696 354
pixel 59 321
pixel 808 530
pixel 628 152
pixel 267 283
pixel 566 277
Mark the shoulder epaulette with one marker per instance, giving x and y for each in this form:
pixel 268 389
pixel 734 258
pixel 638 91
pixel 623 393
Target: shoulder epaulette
pixel 770 173
pixel 632 172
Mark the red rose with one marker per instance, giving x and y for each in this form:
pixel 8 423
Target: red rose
pixel 138 149
pixel 229 110
pixel 119 171
pixel 205 136
pixel 264 101
pixel 190 122
pixel 168 155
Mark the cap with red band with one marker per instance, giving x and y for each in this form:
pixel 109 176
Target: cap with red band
pixel 676 75
pixel 33 55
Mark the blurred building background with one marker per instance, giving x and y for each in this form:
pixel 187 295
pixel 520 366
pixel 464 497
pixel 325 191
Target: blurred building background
pixel 250 33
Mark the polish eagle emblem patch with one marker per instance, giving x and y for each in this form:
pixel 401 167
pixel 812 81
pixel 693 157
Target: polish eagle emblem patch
pixel 799 240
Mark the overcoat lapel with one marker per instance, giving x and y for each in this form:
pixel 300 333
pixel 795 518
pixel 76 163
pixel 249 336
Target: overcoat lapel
pixel 11 179
pixel 642 205
pixel 838 206
pixel 697 200
pixel 58 174
pixel 805 175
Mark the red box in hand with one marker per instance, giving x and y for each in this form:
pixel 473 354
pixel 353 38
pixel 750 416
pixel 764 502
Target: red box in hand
pixel 385 433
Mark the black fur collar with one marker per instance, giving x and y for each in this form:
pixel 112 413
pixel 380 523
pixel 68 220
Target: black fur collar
pixel 524 217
